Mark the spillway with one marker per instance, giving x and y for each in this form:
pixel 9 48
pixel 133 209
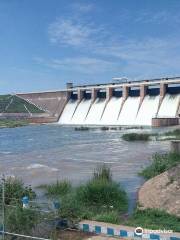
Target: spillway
pixel 68 112
pixel 111 112
pixel 169 105
pixel 131 103
pixel 147 111
pixel 129 111
pixel 95 112
pixel 81 112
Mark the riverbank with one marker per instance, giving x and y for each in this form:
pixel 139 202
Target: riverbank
pixel 7 123
pixel 88 201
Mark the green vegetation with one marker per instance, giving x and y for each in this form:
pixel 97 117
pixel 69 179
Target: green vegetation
pixel 21 220
pixel 174 133
pixel 102 172
pixel 59 188
pixel 13 123
pixel 136 137
pixel 14 104
pixel 154 219
pixel 161 163
pixel 17 219
pixel 100 197
pixel 104 128
pixel 81 128
pixel 15 190
pixel 109 217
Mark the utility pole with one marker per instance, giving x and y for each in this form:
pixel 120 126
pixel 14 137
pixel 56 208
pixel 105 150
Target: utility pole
pixel 3 206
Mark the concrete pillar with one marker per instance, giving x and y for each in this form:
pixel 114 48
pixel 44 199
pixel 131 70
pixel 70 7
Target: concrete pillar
pixel 125 92
pixel 69 85
pixel 68 95
pixel 80 94
pixel 109 93
pixel 163 89
pixel 143 92
pixel 125 95
pixel 94 94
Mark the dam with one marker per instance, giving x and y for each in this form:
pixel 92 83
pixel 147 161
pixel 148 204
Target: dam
pixel 138 103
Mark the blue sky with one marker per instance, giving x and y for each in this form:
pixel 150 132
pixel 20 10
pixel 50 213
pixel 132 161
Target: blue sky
pixel 45 43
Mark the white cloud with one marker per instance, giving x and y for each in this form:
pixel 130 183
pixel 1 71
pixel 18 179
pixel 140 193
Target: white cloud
pixel 73 33
pixel 82 7
pixel 158 17
pixel 85 65
pixel 151 57
pixel 145 56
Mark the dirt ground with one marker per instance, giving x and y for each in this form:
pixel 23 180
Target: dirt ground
pixel 74 235
pixel 77 235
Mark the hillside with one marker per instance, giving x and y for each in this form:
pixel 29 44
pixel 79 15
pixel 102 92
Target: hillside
pixel 13 104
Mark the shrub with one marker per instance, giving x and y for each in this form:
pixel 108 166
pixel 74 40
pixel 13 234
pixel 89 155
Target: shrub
pixel 161 163
pixel 15 190
pixel 59 188
pixel 81 129
pixel 104 128
pixel 102 194
pixel 21 220
pixel 136 137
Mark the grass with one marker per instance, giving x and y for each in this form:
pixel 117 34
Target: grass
pixel 60 188
pixel 161 163
pixel 102 172
pixel 110 217
pixel 14 104
pixel 13 123
pixel 100 196
pixel 154 219
pixel 136 137
pixel 102 199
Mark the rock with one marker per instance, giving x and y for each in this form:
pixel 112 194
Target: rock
pixel 162 192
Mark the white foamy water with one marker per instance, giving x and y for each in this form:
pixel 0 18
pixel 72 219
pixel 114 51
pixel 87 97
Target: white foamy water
pixel 111 112
pixel 68 112
pixel 169 106
pixel 81 112
pixel 38 166
pixel 95 112
pixel 129 111
pixel 103 113
pixel 147 111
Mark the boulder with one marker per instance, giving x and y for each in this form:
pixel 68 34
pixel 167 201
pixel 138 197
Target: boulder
pixel 162 192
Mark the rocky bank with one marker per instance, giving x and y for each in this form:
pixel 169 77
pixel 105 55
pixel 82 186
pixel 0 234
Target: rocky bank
pixel 162 192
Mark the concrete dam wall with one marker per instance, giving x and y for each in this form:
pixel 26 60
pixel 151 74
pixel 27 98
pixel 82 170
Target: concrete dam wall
pixel 143 103
pixel 128 104
pixel 52 103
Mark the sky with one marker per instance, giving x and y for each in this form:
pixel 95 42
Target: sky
pixel 46 43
